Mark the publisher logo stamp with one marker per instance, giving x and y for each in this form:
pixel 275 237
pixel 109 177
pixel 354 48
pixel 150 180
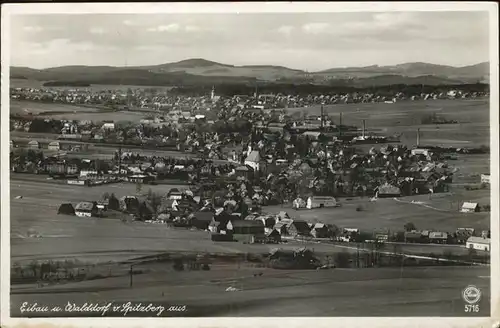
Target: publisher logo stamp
pixel 471 294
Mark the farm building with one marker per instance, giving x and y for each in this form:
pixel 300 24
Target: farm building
pixel 140 178
pixel 479 243
pixel 381 235
pixel 320 230
pixel 320 201
pixel 388 190
pixel 67 209
pixel 54 145
pixel 420 151
pixel 108 126
pixel 413 236
pixel 485 178
pixel 462 234
pixel 437 237
pixel 298 228
pixel 243 227
pixel 299 203
pixel 470 207
pixel 61 168
pixel 86 209
pixel 33 144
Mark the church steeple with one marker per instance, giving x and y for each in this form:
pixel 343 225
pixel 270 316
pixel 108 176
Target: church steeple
pixel 212 94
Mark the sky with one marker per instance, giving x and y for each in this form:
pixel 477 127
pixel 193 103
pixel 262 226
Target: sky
pixel 306 41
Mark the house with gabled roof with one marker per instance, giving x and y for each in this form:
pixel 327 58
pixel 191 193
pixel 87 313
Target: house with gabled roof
pixel 299 228
pixel 320 230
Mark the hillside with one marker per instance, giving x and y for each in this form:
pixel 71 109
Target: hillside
pixel 472 73
pixel 200 71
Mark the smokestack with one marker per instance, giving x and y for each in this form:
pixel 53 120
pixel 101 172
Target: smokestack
pixel 418 137
pixel 364 128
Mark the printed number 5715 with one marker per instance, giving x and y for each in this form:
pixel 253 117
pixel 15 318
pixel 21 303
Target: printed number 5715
pixel 471 308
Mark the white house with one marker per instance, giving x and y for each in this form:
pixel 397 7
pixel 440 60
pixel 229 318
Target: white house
pixel 108 126
pixel 469 207
pixel 478 243
pixel 299 203
pixel 86 209
pixel 320 201
pixel 419 151
pixel 485 178
pixel 85 173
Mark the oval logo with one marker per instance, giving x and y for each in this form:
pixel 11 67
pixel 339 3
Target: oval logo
pixel 471 294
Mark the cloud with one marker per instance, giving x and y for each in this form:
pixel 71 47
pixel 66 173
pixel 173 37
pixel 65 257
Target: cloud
pixel 165 28
pixel 285 29
pixel 97 30
pixel 192 28
pixel 315 28
pixel 32 28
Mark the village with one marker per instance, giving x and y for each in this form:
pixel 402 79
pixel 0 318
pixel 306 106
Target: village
pixel 238 164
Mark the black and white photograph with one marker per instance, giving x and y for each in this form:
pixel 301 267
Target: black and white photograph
pixel 211 163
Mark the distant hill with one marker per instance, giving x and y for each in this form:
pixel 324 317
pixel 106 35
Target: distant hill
pixel 200 71
pixel 464 74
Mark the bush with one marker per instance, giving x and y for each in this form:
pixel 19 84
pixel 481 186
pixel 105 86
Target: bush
pixel 359 208
pixel 342 259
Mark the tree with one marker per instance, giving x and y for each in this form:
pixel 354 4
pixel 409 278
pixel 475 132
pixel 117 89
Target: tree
pixel 138 187
pixel 113 203
pixel 410 226
pixel 105 196
pixel 342 259
pixel 154 200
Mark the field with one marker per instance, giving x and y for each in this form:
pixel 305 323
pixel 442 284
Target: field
pixel 22 83
pixel 405 117
pixel 339 292
pixel 19 107
pixel 107 239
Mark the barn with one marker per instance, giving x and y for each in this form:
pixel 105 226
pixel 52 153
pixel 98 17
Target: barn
pixel 468 207
pixel 479 243
pixel 320 201
pixel 86 209
pixel 66 209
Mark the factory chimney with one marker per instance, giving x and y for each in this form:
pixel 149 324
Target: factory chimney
pixel 364 128
pixel 418 137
